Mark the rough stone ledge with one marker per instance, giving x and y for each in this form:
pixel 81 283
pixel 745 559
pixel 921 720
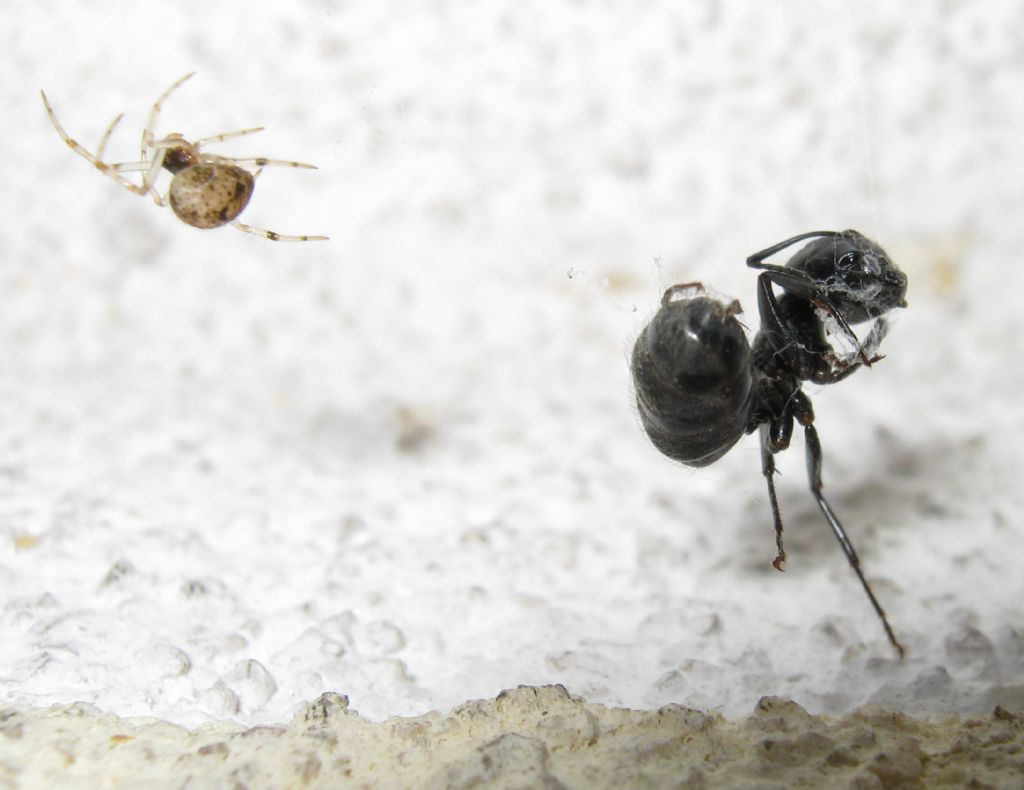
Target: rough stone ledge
pixel 525 738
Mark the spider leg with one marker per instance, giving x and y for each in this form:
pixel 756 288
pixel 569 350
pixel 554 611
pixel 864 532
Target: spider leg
pixel 154 113
pixel 875 337
pixel 161 200
pixel 274 236
pixel 106 136
pixel 259 161
pixel 215 159
pixel 128 167
pixel 151 170
pixel 99 164
pixel 803 412
pixel 226 136
pixel 151 175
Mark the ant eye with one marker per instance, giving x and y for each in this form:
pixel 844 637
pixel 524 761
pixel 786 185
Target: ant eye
pixel 860 263
pixel 849 261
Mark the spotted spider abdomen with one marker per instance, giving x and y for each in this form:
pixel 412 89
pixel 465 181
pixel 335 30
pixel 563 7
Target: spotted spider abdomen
pixel 210 195
pixel 692 373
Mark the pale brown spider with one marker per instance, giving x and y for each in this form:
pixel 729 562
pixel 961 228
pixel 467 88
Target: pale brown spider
pixel 206 190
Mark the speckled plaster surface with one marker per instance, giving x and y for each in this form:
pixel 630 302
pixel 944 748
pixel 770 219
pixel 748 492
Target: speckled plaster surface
pixel 403 465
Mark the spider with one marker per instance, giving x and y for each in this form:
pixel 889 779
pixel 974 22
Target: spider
pixel 206 190
pixel 700 385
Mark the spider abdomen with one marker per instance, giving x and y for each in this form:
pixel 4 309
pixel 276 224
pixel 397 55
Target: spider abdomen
pixel 692 372
pixel 210 195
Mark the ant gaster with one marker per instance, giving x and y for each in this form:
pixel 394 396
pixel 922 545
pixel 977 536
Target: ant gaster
pixel 700 386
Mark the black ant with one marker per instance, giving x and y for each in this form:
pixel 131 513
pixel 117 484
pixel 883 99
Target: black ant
pixel 700 385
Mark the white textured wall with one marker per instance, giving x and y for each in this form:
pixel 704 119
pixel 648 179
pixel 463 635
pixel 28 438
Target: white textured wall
pixel 403 464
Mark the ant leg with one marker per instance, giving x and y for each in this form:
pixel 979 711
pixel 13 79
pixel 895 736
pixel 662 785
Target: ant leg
pixel 785 343
pixel 683 290
pixel 803 412
pixel 791 279
pixel 772 323
pixel 775 437
pixel 755 261
pixel 768 470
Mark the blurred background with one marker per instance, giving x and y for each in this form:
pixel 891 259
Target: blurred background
pixel 404 464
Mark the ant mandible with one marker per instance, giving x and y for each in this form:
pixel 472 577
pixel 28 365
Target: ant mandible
pixel 700 385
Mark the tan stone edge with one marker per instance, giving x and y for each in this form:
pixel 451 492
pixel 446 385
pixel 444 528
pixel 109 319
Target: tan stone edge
pixel 528 737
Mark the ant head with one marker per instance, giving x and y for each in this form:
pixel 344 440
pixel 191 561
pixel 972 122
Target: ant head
pixel 856 274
